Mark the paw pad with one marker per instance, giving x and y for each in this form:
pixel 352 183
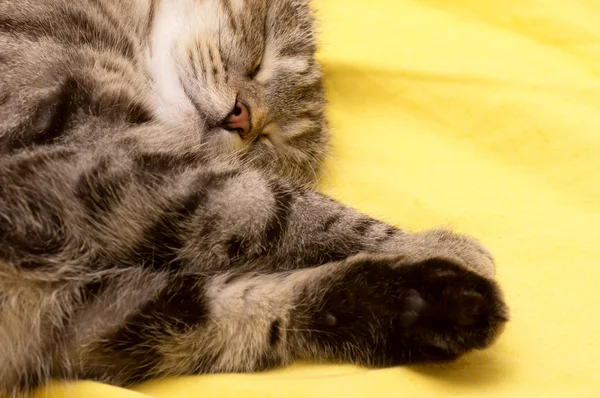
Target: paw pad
pixel 413 307
pixel 330 319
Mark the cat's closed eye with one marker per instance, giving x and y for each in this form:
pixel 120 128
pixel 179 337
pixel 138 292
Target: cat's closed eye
pixel 255 69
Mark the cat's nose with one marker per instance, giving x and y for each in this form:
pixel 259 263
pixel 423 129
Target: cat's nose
pixel 238 120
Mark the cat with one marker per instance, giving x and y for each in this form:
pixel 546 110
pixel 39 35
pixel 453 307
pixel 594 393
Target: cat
pixel 157 211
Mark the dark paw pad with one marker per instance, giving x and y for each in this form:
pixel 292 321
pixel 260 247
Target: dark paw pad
pixel 380 312
pixel 461 311
pixel 414 305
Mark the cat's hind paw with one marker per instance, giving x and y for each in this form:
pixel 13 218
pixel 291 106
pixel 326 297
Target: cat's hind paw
pixel 449 310
pixel 380 311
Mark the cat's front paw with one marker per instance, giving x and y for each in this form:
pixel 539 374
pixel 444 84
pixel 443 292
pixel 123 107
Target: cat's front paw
pixel 382 311
pixel 441 243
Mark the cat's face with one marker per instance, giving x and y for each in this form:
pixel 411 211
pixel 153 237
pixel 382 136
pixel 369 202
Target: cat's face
pixel 243 71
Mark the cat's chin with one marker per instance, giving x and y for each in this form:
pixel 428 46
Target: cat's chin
pixel 223 142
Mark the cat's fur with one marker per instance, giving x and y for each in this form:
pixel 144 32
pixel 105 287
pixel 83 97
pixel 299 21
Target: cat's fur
pixel 139 239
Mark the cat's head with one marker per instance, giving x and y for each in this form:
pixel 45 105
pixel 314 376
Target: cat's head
pixel 245 72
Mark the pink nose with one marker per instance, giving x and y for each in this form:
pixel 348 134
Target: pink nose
pixel 238 120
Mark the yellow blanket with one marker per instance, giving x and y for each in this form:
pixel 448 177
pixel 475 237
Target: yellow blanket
pixel 479 115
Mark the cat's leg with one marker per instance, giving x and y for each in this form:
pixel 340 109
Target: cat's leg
pixel 64 211
pixel 69 218
pixel 373 310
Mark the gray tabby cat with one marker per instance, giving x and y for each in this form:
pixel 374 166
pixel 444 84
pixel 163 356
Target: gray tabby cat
pixel 155 215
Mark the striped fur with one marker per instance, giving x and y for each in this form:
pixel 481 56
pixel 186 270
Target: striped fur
pixel 139 239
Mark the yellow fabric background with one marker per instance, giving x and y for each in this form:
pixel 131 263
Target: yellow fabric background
pixel 479 115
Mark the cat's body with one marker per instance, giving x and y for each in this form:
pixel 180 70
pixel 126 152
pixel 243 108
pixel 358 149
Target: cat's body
pixel 154 218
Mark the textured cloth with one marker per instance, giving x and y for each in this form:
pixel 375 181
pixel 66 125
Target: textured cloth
pixel 482 116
